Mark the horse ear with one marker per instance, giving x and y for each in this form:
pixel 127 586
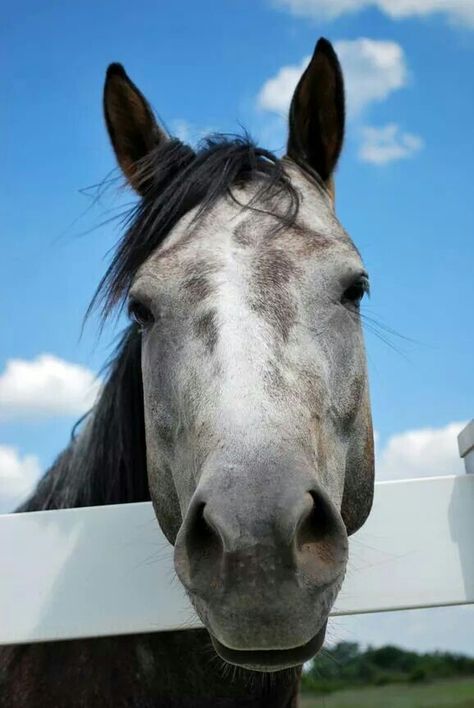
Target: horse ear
pixel 132 127
pixel 316 121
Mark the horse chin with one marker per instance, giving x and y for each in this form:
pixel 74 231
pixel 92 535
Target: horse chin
pixel 270 660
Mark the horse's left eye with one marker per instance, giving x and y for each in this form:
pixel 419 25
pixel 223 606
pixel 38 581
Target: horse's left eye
pixel 355 292
pixel 140 313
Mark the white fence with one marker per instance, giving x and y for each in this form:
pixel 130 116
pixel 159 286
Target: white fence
pixel 108 570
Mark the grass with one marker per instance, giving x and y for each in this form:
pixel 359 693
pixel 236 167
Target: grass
pixel 456 693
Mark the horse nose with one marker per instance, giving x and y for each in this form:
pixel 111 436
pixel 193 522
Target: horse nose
pixel 300 538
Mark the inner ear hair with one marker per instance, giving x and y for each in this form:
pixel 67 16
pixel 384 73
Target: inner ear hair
pixel 131 124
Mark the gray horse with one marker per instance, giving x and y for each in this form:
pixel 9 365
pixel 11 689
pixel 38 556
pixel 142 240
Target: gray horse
pixel 237 401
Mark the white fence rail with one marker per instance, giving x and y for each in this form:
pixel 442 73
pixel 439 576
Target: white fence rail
pixel 109 570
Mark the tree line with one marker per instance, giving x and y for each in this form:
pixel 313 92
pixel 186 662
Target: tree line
pixel 346 665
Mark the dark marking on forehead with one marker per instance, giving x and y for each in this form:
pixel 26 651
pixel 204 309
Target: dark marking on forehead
pixel 270 297
pixel 255 228
pixel 197 287
pixel 243 233
pixel 304 242
pixel 298 239
pixel 197 283
pixel 205 327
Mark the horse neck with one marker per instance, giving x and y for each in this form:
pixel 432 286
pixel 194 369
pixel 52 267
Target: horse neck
pixel 192 675
pixel 162 670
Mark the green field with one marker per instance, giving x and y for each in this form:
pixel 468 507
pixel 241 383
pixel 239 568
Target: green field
pixel 457 693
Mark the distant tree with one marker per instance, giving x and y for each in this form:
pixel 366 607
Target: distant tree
pixel 392 658
pixel 346 665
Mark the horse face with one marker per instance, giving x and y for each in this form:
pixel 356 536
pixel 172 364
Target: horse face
pixel 258 426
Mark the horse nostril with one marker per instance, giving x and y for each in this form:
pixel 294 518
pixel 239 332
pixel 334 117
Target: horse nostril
pixel 320 536
pixel 315 524
pixel 206 535
pixel 198 549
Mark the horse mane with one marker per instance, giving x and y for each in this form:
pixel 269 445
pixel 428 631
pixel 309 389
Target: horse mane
pixel 105 463
pixel 179 179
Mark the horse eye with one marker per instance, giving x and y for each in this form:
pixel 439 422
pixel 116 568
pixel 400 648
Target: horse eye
pixel 355 292
pixel 139 313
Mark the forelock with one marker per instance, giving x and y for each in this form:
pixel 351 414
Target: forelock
pixel 181 180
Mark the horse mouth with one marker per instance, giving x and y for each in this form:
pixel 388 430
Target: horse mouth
pixel 269 660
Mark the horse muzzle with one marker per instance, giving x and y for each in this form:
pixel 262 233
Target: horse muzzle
pixel 262 567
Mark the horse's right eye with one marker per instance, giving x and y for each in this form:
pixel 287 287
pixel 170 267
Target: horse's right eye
pixel 140 313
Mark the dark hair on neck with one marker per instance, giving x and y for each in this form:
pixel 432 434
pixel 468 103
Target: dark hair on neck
pixel 106 462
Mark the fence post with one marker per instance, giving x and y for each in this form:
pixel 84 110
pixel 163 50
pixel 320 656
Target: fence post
pixel 466 446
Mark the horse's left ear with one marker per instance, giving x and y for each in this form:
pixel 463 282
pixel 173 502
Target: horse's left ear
pixel 316 121
pixel 133 129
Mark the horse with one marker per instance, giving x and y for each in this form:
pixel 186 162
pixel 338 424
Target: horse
pixel 237 401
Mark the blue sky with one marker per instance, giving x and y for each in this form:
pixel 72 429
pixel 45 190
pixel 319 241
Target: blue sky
pixel 404 191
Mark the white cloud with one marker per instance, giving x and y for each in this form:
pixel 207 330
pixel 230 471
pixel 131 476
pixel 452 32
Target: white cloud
pixel 425 452
pixel 188 132
pixel 387 143
pixel 181 129
pixel 275 95
pixel 45 386
pixel 373 69
pixel 458 11
pixel 18 475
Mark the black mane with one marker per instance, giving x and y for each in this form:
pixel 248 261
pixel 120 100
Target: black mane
pixel 106 463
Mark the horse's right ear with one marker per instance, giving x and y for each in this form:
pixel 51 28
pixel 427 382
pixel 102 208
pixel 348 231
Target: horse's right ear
pixel 132 127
